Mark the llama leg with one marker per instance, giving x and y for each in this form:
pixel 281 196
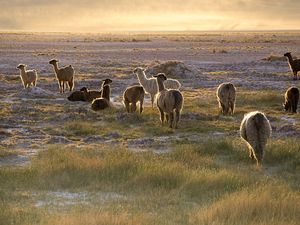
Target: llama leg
pixel 60 86
pixel 167 118
pixel 162 116
pixel 126 103
pixel 251 155
pixel 227 109
pixel 232 107
pixel 177 117
pixel 294 108
pixel 34 83
pixel 259 158
pixel 295 75
pixel 63 87
pixel 133 106
pixel 152 100
pixel 222 108
pixel 171 117
pixel 71 84
pixel 141 106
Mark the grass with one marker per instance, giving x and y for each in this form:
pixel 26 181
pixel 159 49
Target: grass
pixel 262 205
pixel 200 115
pixel 6 152
pixel 206 181
pixel 212 182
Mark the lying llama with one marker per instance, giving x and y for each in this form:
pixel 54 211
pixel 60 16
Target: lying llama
pixel 76 96
pixel 150 85
pixel 104 101
pixel 255 130
pixel 28 77
pixel 291 99
pixel 226 97
pixel 87 95
pixel 168 101
pixel 131 96
pixel 294 64
pixel 90 95
pixel 65 74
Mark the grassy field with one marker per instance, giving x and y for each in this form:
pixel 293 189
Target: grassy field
pixel 208 183
pixel 208 180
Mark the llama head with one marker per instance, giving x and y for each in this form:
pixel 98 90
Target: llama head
pixel 139 70
pixel 160 76
pixel 106 81
pixel 286 106
pixel 84 89
pixel 287 54
pixel 21 66
pixel 53 61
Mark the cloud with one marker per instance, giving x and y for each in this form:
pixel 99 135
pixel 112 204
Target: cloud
pixel 97 15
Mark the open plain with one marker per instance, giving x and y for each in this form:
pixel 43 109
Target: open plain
pixel 62 163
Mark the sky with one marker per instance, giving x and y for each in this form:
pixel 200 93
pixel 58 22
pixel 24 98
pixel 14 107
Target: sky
pixel 148 15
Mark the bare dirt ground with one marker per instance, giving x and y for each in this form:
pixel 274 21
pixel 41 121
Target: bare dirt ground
pixel 31 119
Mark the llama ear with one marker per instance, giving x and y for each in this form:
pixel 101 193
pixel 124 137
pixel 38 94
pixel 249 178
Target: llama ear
pixel 84 89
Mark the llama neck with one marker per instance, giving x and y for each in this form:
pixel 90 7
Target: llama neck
pixel 106 92
pixel 142 78
pixel 22 72
pixel 160 85
pixel 290 59
pixel 55 66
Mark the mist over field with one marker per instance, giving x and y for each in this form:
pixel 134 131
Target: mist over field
pixel 137 15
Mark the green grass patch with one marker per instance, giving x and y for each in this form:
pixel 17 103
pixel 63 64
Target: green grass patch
pixel 199 181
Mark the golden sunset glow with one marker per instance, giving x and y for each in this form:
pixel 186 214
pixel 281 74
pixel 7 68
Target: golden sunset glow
pixel 141 15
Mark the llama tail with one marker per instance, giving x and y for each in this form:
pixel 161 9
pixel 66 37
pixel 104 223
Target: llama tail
pixel 178 99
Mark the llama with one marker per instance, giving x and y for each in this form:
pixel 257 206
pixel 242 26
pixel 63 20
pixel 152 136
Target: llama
pixel 291 99
pixel 255 130
pixel 90 95
pixel 65 74
pixel 77 96
pixel 28 77
pixel 168 101
pixel 104 101
pixel 87 95
pixel 131 96
pixel 150 85
pixel 294 64
pixel 226 97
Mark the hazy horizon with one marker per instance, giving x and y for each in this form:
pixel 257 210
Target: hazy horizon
pixel 98 16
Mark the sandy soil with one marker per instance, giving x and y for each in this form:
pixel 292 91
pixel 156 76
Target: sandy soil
pixel 212 59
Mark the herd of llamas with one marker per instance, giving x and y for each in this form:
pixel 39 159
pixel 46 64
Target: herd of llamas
pixel 255 128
